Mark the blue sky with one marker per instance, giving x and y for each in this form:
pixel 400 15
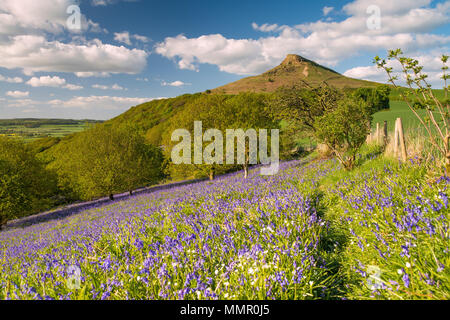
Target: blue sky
pixel 128 52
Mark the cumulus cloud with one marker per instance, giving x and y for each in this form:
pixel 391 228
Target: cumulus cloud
pixel 11 79
pixel 18 94
pixel 104 87
pixel 177 83
pixel 404 24
pixel 48 81
pixel 99 102
pixel 34 53
pixel 27 42
pixel 31 17
pixel 92 74
pixel 431 62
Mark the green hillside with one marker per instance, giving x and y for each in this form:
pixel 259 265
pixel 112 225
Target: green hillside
pixel 293 70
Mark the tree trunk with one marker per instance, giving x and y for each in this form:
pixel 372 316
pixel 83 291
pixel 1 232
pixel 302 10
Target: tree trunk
pixel 211 174
pixel 385 134
pixel 245 170
pixel 111 197
pixel 131 192
pixel 246 161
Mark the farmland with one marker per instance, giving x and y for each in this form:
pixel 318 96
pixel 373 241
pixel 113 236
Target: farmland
pixel 33 129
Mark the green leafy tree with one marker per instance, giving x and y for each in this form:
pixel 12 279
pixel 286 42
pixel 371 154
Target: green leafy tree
pixel 300 107
pixel 345 129
pixel 376 98
pixel 222 112
pixel 26 187
pixel 105 160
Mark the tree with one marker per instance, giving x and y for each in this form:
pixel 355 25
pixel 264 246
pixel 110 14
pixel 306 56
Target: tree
pixel 244 111
pixel 339 119
pixel 26 186
pixel 345 129
pixel 376 98
pixel 248 111
pixel 301 106
pixel 420 95
pixel 105 160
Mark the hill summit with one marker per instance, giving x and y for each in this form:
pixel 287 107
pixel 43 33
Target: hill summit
pixel 293 70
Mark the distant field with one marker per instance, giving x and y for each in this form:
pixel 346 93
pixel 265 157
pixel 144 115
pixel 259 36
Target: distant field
pixel 395 94
pixel 32 129
pixel 399 109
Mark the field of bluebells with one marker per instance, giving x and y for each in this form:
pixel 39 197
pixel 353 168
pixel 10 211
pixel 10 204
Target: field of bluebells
pixel 311 232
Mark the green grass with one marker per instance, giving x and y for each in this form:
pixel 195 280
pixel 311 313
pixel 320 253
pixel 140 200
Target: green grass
pixel 46 130
pixel 395 94
pixel 399 109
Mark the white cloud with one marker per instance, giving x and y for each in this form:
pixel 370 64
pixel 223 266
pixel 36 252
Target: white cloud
pixel 48 81
pixel 104 87
pixel 177 83
pixel 267 27
pixel 34 54
pixel 31 17
pixel 326 10
pixel 140 38
pixel 18 94
pixel 404 24
pixel 11 80
pixel 25 42
pixel 99 102
pixel 73 87
pixel 431 62
pixel 123 37
pixel 107 2
pixel 92 74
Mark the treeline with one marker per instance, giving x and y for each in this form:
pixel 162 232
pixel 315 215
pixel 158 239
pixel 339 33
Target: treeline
pixel 34 123
pixel 134 149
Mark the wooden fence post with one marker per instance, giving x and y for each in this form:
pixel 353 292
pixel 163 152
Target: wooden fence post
pixel 401 137
pixel 385 133
pixel 396 138
pixel 378 134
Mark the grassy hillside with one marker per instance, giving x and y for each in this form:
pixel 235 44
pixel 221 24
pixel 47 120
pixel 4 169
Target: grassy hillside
pixel 395 94
pixel 293 70
pixel 314 231
pixel 399 109
pixel 151 117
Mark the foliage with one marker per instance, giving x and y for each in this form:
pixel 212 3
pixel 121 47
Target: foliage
pixel 337 118
pixel 40 145
pixel 105 160
pixel 243 111
pixel 301 107
pixel 344 129
pixel 376 98
pixel 421 96
pixel 25 186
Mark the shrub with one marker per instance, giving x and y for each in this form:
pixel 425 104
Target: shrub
pixel 344 130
